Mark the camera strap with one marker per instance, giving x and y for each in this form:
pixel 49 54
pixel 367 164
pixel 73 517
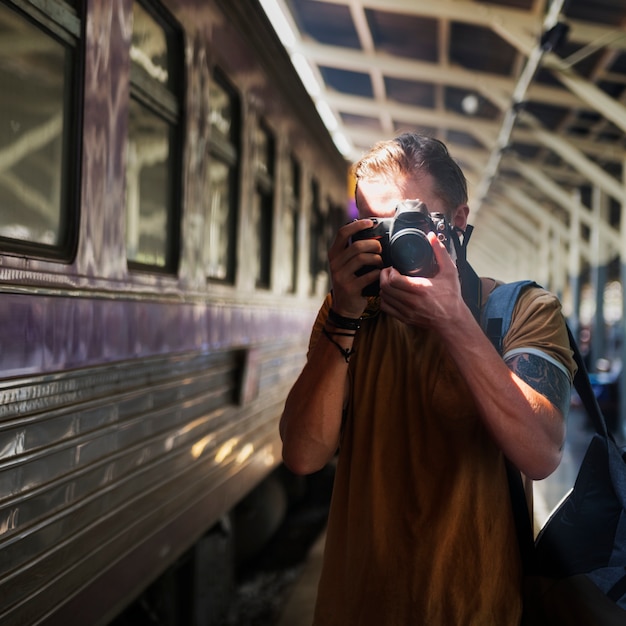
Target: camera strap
pixel 471 288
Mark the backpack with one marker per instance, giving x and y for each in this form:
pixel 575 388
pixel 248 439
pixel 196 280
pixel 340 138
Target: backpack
pixel 575 570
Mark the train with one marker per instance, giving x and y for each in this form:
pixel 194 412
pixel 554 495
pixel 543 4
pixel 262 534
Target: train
pixel 168 192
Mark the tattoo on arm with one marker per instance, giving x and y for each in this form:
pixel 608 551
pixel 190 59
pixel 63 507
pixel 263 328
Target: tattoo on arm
pixel 544 377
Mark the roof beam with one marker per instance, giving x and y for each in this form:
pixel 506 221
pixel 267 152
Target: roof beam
pixel 484 130
pixel 522 222
pixel 587 91
pixel 518 96
pixel 453 10
pixel 586 167
pixel 490 16
pixel 605 151
pixel 516 196
pixel 566 201
pixel 398 67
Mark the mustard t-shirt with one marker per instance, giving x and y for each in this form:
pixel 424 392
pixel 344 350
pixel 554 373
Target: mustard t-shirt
pixel 420 527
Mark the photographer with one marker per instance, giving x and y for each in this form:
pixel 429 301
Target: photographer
pixel 422 411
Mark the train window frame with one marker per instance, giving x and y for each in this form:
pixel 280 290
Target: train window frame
pixel 293 211
pixel 263 203
pixel 224 150
pixel 317 250
pixel 164 103
pixel 60 22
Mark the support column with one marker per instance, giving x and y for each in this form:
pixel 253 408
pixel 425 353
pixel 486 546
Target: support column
pixel 543 270
pixel 621 427
pixel 598 275
pixel 573 264
pixel 556 277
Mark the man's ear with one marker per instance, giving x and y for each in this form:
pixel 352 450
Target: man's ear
pixel 459 216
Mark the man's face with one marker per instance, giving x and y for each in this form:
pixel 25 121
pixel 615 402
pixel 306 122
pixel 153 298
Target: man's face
pixel 378 197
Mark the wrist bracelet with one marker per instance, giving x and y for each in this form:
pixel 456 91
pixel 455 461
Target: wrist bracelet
pixel 346 353
pixel 340 334
pixel 346 323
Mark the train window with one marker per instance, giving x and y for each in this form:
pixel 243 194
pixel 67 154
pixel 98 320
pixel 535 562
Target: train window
pixel 318 245
pixel 291 224
pixel 153 154
pixel 39 152
pixel 221 178
pixel 263 205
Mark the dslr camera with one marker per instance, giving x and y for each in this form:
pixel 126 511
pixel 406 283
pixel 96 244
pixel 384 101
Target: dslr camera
pixel 404 243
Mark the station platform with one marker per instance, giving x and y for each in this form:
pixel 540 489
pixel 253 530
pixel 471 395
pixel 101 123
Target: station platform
pixel 298 609
pixel 300 603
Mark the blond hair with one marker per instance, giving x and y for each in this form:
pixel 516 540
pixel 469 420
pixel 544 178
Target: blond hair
pixel 408 156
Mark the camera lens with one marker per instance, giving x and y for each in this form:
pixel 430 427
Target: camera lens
pixel 411 253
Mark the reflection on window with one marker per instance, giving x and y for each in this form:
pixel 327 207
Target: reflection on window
pixel 221 110
pixel 149 48
pixel 221 179
pixel 37 85
pixel 147 191
pixel 217 240
pixel 154 139
pixel 262 210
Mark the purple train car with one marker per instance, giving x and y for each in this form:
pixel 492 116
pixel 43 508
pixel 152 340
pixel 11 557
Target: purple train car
pixel 167 195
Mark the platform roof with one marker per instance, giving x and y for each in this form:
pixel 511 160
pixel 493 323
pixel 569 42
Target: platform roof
pixel 528 95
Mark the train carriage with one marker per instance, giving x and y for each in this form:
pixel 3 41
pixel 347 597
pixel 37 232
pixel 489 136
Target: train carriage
pixel 167 194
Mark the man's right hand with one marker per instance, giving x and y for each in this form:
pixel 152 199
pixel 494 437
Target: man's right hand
pixel 345 259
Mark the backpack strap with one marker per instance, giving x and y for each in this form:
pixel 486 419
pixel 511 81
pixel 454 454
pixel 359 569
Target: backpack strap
pixel 498 310
pixel 583 387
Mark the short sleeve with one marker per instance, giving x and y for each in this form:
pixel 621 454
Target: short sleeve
pixel 538 324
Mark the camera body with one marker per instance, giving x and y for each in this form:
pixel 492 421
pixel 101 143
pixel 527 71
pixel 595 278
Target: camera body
pixel 404 242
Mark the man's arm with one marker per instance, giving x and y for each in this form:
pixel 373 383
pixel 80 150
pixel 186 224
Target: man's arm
pixel 522 409
pixel 310 426
pixel 545 377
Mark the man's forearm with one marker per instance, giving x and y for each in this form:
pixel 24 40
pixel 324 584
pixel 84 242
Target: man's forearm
pixel 527 427
pixel 310 426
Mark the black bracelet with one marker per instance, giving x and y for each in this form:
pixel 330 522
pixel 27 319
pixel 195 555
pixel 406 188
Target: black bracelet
pixel 336 332
pixel 346 323
pixel 346 353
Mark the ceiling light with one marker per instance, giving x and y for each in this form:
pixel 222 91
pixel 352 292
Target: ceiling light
pixel 469 104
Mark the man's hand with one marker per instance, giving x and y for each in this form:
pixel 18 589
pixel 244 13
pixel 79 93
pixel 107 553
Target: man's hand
pixel 427 302
pixel 345 260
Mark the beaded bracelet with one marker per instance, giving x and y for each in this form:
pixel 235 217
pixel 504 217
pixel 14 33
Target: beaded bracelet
pixel 346 323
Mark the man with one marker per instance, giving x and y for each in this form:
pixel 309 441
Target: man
pixel 422 411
